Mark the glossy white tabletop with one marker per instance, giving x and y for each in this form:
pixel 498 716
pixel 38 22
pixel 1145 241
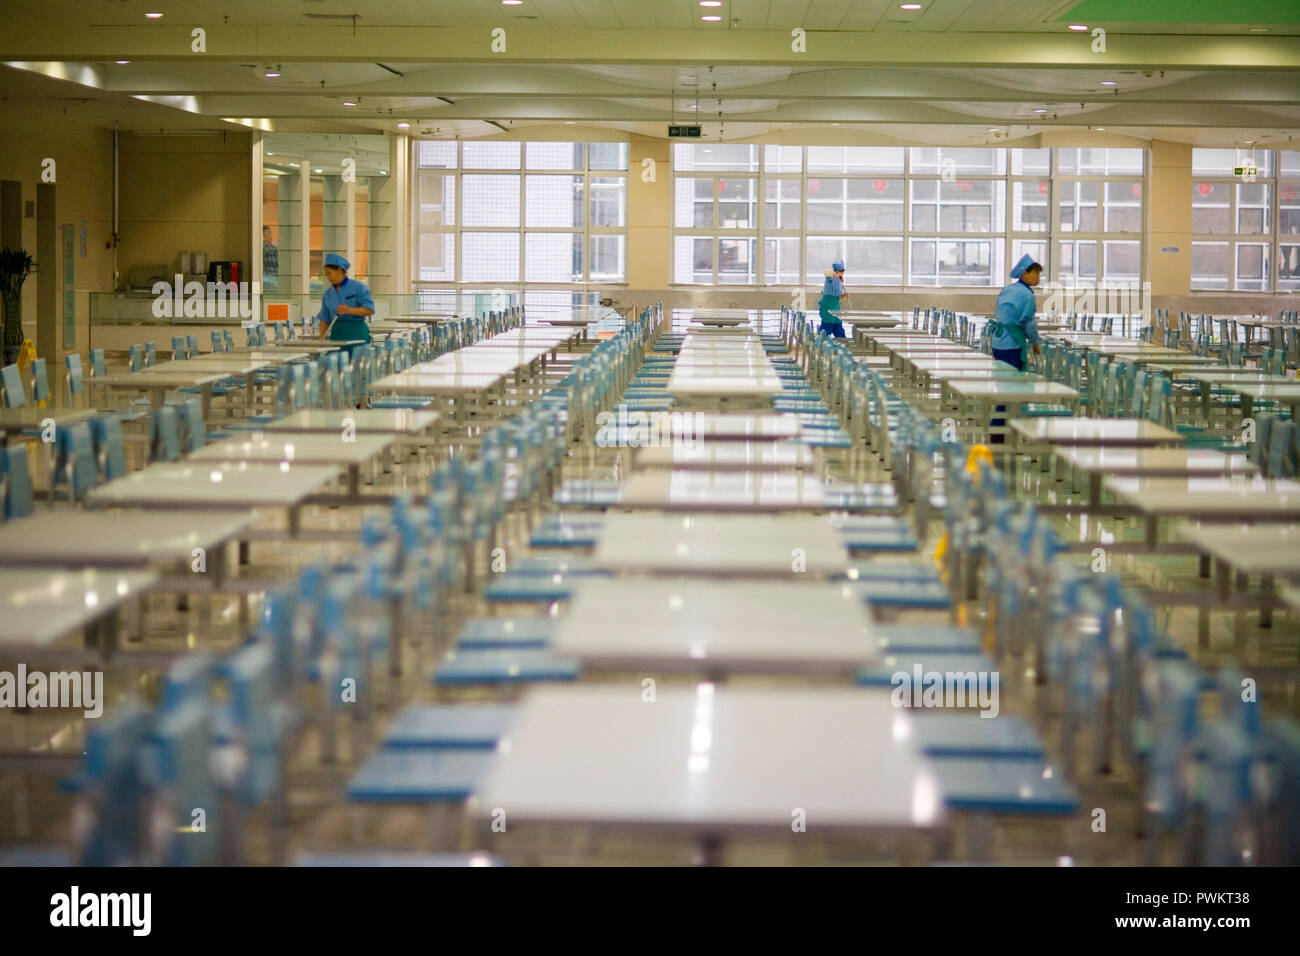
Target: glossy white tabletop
pixel 437 384
pixel 717 625
pixel 1094 431
pixel 734 426
pixel 1155 462
pixel 711 759
pixel 1250 549
pixel 116 538
pixel 311 448
pixel 237 365
pixel 1210 498
pixel 146 381
pixel 723 491
pixel 388 421
pixel 214 485
pixel 40 606
pixel 727 456
pixel 799 547
pixel 28 416
pixel 1029 391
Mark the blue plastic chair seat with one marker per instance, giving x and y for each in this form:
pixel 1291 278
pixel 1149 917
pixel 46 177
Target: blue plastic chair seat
pixel 498 633
pixel 503 667
pixel 902 571
pixel 419 776
pixel 913 639
pixel 1004 786
pixel 528 588
pixel 882 674
pixel 449 727
pixel 1005 737
pixel 906 595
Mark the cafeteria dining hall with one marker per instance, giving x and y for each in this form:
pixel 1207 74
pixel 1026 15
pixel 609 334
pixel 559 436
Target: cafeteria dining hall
pixel 651 433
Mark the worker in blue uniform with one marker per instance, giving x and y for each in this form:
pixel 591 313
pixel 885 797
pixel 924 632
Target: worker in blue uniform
pixel 832 289
pixel 346 304
pixel 1013 328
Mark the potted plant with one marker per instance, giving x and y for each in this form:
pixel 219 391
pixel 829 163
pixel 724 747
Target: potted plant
pixel 15 266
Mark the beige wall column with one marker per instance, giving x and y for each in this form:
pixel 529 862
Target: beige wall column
pixel 1169 219
pixel 649 212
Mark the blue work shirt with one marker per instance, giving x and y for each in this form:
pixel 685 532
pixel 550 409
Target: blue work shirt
pixel 833 285
pixel 346 327
pixel 1015 307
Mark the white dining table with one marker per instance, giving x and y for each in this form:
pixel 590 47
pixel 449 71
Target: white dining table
pixel 710 763
pixel 795 547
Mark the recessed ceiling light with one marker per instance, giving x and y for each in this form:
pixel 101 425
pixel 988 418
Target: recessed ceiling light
pixel 1258 29
pixel 349 103
pixel 1077 27
pixel 1040 110
pixel 153 16
pixel 403 125
pixel 271 74
pixel 992 129
pixel 710 18
pixel 692 107
pixel 316 170
pixel 710 3
pixel 909 6
pixel 1108 83
pixel 1101 129
pixel 570 122
pixel 511 3
pixel 121 62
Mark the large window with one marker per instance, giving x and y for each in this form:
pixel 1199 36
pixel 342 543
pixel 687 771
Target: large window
pixel 1245 230
pixel 492 212
pixel 923 216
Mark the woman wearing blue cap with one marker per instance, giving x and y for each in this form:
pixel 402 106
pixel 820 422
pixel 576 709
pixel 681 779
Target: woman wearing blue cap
pixel 345 305
pixel 832 289
pixel 1012 327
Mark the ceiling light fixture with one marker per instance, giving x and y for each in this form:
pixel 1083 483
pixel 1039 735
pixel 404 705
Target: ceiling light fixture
pixel 1258 29
pixel 316 170
pixel 1040 110
pixel 403 125
pixel 153 16
pixel 710 3
pixel 511 3
pixel 1078 27
pixel 710 19
pixel 271 74
pixel 349 103
pixel 121 62
pixel 1108 83
pixel 909 6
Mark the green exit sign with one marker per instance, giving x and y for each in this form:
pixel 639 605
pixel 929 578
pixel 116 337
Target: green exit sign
pixel 1248 171
pixel 676 132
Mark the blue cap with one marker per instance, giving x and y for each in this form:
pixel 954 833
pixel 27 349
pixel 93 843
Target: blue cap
pixel 334 259
pixel 837 267
pixel 1023 265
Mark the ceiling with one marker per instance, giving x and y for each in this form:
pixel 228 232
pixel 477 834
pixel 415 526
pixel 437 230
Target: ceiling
pixel 959 16
pixel 970 71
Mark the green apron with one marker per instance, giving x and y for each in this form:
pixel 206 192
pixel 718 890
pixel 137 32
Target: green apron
pixel 828 306
pixel 349 328
pixel 1016 331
